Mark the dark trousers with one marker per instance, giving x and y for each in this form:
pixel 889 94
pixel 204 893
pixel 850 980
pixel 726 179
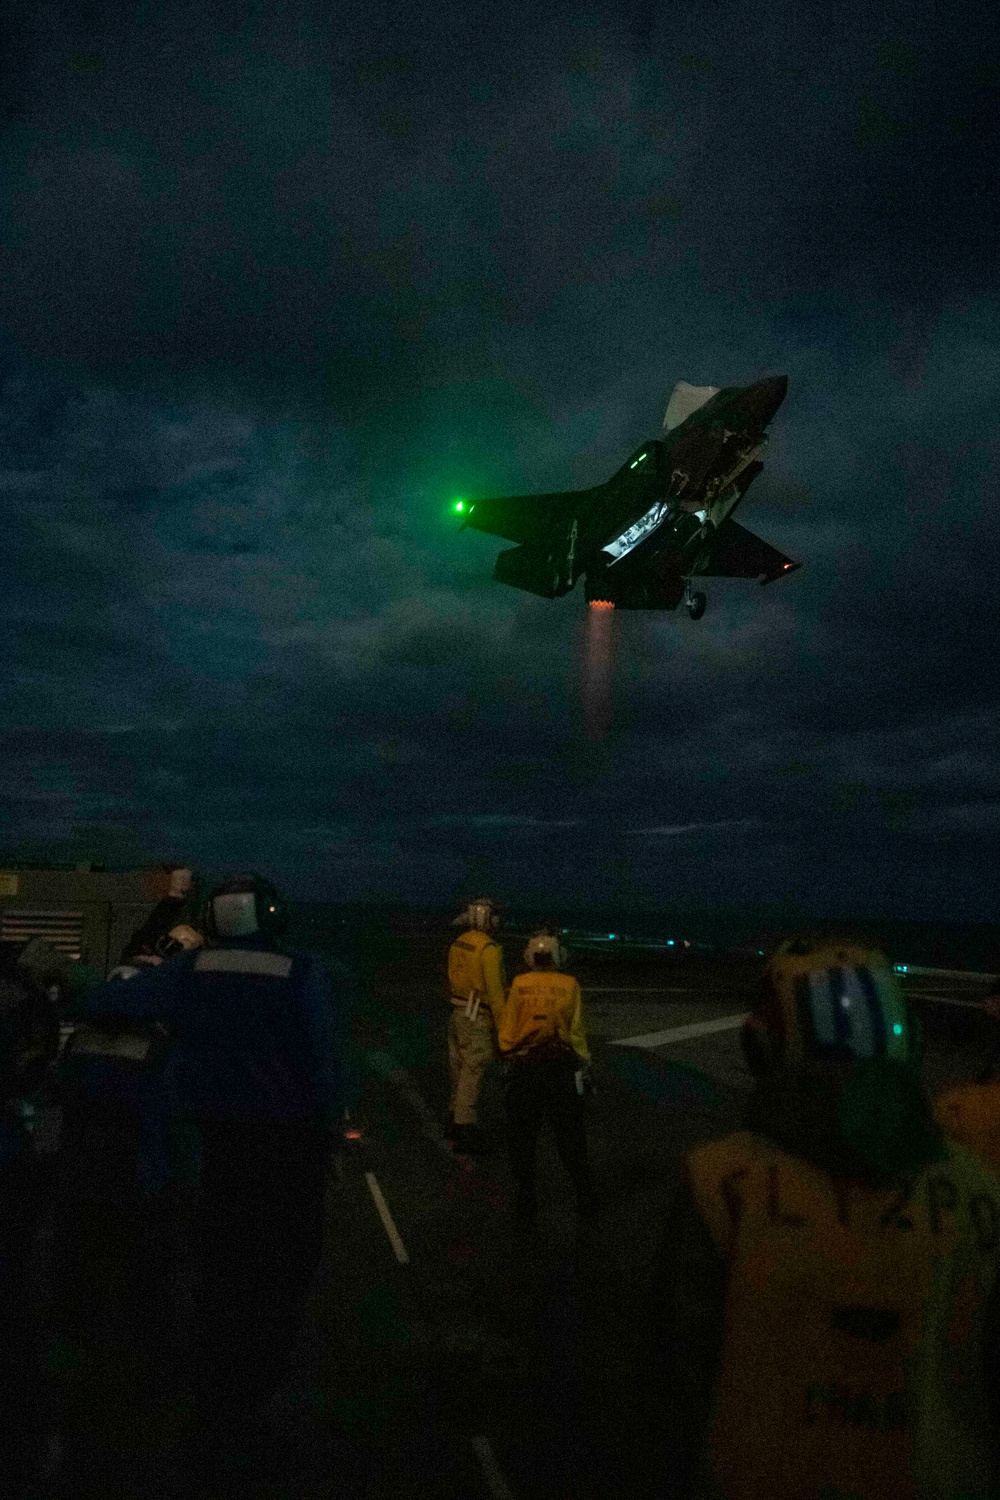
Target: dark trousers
pixel 23 1417
pixel 540 1088
pixel 115 1263
pixel 258 1243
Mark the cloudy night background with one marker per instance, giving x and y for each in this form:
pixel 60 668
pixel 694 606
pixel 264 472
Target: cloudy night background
pixel 280 281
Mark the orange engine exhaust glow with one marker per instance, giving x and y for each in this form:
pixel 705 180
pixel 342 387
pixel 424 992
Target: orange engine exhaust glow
pixel 597 668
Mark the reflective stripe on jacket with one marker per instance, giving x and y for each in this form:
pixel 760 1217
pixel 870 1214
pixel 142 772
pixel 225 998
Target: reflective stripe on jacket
pixel 475 971
pixel 854 1357
pixel 543 1007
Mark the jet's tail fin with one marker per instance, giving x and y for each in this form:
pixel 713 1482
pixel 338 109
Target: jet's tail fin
pixel 684 399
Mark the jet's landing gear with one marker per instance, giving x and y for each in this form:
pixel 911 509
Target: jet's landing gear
pixel 694 602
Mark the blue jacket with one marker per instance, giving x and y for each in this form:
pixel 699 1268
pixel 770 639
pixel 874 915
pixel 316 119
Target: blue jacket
pixel 258 1035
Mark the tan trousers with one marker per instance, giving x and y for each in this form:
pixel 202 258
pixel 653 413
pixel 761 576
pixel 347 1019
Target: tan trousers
pixel 471 1047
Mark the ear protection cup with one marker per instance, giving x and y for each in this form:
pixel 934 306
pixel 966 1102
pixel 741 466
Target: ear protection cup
pixel 272 913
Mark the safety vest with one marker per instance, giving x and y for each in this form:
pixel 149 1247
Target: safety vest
pixel 970 1114
pixel 466 979
pixel 851 1365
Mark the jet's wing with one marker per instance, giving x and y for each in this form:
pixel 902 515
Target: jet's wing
pixel 740 554
pixel 520 518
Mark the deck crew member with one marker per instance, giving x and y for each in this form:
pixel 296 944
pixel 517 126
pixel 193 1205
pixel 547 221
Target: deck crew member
pixel 477 991
pixel 828 1294
pixel 542 1036
pixel 258 1054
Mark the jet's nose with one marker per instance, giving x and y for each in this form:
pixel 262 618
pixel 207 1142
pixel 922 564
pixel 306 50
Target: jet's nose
pixel 762 400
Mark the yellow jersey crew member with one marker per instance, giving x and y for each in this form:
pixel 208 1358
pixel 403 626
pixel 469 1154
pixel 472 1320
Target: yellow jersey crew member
pixel 477 986
pixel 542 1035
pixel 828 1305
pixel 970 1112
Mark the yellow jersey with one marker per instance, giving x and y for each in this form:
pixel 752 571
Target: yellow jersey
pixel 852 1356
pixel 476 972
pixel 544 1010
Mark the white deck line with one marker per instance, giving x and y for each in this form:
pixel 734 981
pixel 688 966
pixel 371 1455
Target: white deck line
pixel 383 1212
pixel 495 1482
pixel 632 989
pixel 941 973
pixel 681 1033
pixel 950 1000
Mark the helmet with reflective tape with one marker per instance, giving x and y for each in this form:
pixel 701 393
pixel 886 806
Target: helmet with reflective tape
pixel 245 906
pixel 482 914
pixel 543 950
pixel 827 999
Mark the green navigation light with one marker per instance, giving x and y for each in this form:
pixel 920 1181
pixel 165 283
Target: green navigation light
pixel 458 506
pixel 897 1030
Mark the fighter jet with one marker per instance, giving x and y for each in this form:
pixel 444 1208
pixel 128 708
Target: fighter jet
pixel 664 519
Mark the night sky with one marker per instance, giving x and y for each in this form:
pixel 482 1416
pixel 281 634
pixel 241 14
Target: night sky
pixel 278 281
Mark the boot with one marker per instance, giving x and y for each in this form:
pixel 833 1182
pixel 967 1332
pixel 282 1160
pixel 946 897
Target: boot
pixel 587 1205
pixel 525 1203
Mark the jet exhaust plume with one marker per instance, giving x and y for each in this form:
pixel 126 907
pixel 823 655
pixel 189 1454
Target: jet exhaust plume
pixel 598 668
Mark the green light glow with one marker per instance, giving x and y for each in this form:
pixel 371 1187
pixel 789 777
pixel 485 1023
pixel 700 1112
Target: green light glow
pixel 458 505
pixel 897 1030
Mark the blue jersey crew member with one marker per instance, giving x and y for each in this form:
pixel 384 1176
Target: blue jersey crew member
pixel 476 987
pixel 543 1037
pixel 258 1057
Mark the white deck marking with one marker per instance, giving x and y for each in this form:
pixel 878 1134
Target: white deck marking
pixel 633 989
pixel 495 1482
pixel 383 1212
pixel 942 973
pixel 948 1000
pixel 681 1033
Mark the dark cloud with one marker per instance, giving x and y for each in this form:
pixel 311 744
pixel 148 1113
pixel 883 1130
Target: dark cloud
pixel 276 290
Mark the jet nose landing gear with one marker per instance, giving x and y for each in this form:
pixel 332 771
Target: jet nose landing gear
pixel 694 602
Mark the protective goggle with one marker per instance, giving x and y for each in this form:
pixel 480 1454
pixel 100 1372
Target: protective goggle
pixel 169 946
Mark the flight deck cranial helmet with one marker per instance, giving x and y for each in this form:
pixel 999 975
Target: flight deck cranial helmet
pixel 544 950
pixel 482 914
pixel 245 906
pixel 827 999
